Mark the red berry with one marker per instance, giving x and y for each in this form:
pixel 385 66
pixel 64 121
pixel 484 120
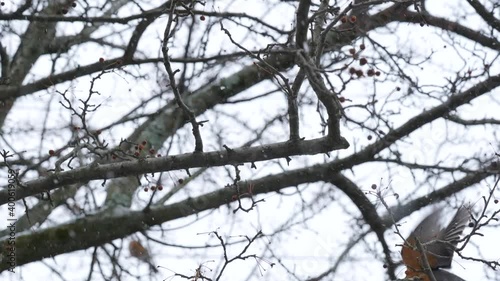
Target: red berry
pixel 377 73
pixel 363 61
pixel 352 70
pixel 144 142
pixel 101 60
pixel 359 72
pixel 369 137
pixel 141 147
pixel 152 151
pixel 180 181
pixel 496 201
pixel 343 19
pixel 136 154
pixel 374 186
pixel 398 88
pixel 342 99
pixel 73 4
pixel 362 46
pixel 370 72
pixel 153 188
pixel 146 189
pixel 202 17
pixel 158 155
pixel 352 51
pixel 160 187
pixel 52 152
pixel 353 19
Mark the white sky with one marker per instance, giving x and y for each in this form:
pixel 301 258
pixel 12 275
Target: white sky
pixel 305 249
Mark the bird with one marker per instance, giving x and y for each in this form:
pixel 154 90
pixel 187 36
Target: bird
pixel 439 243
pixel 138 251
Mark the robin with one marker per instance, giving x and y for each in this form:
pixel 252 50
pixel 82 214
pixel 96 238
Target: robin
pixel 138 251
pixel 439 244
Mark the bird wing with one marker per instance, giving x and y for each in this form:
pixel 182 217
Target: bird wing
pixel 443 275
pixel 429 228
pixel 446 240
